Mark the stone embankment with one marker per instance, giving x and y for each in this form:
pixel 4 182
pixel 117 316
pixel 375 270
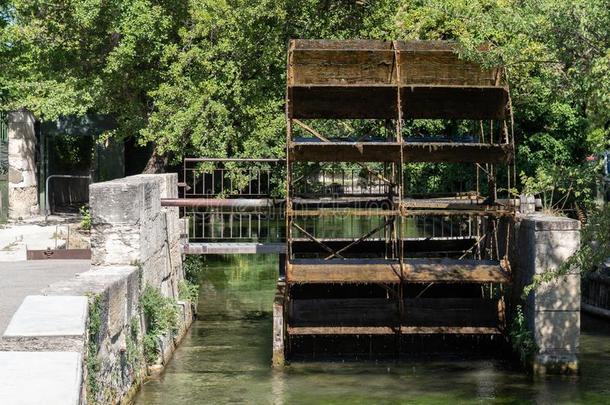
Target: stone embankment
pixel 89 339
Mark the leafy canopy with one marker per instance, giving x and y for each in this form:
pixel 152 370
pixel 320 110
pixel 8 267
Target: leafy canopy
pixel 207 77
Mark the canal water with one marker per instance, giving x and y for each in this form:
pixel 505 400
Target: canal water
pixel 225 359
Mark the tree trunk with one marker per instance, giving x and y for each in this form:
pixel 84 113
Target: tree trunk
pixel 157 163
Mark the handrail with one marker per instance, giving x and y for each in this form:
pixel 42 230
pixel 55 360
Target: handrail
pixel 253 160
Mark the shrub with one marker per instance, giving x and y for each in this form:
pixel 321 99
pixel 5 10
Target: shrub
pixel 85 222
pixel 522 339
pixel 161 317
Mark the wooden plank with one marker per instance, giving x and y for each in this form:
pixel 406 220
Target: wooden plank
pixel 341 44
pixel 372 61
pixel 442 67
pixel 383 330
pixel 341 66
pixel 428 312
pixel 341 330
pixel 450 330
pixel 388 271
pixel 452 152
pixel 463 102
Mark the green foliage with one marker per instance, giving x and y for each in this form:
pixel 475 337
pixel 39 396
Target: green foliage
pixel 207 77
pixel 85 222
pixel 93 362
pixel 188 291
pixel 560 186
pixel 553 54
pixel 194 266
pixel 521 338
pixel 133 353
pixel 161 317
pixel 593 251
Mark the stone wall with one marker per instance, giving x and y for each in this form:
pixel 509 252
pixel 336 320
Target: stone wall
pixel 96 317
pixel 22 184
pixel 129 227
pixel 552 309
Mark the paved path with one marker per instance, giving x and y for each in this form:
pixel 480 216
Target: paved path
pixel 16 238
pixel 19 279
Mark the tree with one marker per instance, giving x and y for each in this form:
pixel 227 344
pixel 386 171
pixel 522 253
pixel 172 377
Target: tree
pixel 201 77
pixel 557 56
pixel 206 77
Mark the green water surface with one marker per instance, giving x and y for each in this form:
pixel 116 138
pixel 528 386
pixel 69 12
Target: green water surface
pixel 225 359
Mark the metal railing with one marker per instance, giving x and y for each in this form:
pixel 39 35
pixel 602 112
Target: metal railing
pixel 231 226
pixel 222 180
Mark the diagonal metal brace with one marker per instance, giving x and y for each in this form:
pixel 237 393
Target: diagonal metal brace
pixel 362 238
pixel 316 240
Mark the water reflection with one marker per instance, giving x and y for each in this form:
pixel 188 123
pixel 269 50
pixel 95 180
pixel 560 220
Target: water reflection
pixel 226 359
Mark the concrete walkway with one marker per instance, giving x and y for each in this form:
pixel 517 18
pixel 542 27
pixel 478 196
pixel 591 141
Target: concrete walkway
pixel 19 279
pixel 15 238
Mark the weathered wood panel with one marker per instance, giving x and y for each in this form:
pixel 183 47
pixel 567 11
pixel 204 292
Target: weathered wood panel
pixel 384 330
pixel 476 312
pixel 353 44
pixel 371 61
pixel 388 271
pixel 442 67
pixel 58 254
pixel 328 66
pixel 343 312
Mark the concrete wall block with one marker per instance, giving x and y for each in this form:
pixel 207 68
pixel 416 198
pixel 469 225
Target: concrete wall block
pixel 41 378
pixel 115 245
pixel 157 271
pixel 543 222
pixel 168 183
pixel 175 227
pixel 557 331
pixel 543 243
pixel 560 294
pixel 153 237
pixel 554 247
pixel 115 202
pixel 151 202
pixel 41 315
pixel 117 308
pixel 142 233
